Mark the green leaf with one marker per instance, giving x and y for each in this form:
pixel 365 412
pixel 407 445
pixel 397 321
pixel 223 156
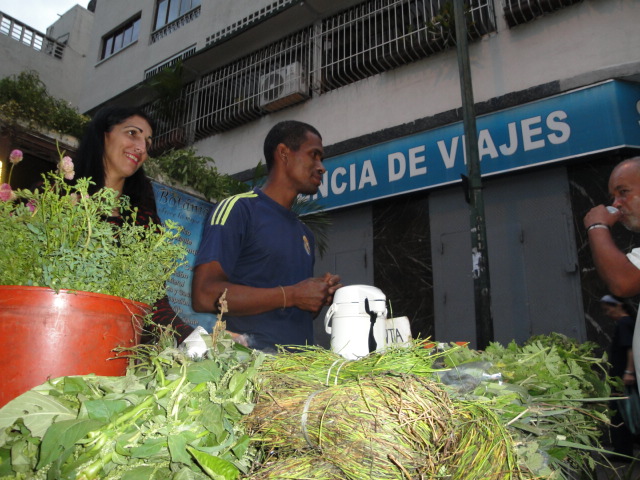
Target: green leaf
pixel 178 449
pixel 74 385
pixel 62 436
pixel 105 410
pixel 215 467
pixel 237 383
pixel 205 371
pixel 245 408
pixel 144 472
pixel 37 411
pixel 188 474
pixel 149 448
pixel 241 447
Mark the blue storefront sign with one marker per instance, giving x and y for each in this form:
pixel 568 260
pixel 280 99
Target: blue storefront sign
pixel 578 123
pixel 190 212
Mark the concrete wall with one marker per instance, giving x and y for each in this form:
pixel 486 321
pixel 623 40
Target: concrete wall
pixel 63 77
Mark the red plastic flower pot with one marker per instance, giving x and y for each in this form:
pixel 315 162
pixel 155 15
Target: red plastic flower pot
pixel 44 334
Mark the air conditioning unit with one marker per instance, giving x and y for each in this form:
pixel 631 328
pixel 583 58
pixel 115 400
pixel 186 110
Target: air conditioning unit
pixel 283 87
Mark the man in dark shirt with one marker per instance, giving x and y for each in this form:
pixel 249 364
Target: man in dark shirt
pixel 254 247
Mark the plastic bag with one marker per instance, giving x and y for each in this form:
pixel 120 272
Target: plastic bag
pixel 630 409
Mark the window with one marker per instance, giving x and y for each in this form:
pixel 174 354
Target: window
pixel 170 10
pixel 120 38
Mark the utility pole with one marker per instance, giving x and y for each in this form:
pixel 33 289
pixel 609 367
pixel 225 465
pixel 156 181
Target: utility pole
pixel 480 259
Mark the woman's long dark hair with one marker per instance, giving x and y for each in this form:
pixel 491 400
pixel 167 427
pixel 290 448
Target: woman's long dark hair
pixel 89 158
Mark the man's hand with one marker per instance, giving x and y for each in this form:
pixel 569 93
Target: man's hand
pixel 334 284
pixel 620 275
pixel 599 215
pixel 314 293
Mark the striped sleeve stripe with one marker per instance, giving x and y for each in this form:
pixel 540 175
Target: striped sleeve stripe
pixel 223 210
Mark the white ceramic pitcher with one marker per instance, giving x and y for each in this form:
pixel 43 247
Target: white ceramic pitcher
pixel 356 321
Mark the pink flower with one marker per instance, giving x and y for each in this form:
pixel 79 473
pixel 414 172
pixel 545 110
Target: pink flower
pixel 15 156
pixel 66 167
pixel 6 192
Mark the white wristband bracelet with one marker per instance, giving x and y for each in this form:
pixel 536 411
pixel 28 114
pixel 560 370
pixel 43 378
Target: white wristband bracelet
pixel 597 225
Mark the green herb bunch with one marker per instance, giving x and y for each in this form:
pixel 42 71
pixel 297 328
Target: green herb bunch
pixel 57 236
pixel 170 418
pixel 553 394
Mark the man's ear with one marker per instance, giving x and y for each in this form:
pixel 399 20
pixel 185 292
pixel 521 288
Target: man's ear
pixel 282 153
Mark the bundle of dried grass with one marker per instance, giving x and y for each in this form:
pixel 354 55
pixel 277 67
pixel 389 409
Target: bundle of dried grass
pixel 317 364
pixel 379 426
pixel 298 467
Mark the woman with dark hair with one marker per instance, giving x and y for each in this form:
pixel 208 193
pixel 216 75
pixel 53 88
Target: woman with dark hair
pixel 112 151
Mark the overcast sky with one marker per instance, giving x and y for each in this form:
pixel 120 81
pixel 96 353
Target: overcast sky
pixel 38 14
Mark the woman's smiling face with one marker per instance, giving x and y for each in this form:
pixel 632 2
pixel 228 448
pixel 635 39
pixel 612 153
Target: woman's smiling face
pixel 125 149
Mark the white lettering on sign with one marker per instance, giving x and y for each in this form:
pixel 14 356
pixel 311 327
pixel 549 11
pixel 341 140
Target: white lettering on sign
pixel 368 175
pixel 529 131
pixel 397 163
pixel 415 159
pixel 555 124
pixel 393 160
pixel 486 145
pixel 449 156
pixel 340 179
pixel 527 134
pixel 512 146
pixel 338 188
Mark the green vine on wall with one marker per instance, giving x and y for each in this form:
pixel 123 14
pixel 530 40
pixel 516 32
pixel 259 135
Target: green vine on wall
pixel 184 168
pixel 25 97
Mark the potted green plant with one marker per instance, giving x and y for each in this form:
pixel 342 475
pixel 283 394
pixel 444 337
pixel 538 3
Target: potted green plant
pixel 72 285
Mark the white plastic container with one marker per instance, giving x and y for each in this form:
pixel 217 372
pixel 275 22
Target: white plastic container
pixel 398 331
pixel 350 324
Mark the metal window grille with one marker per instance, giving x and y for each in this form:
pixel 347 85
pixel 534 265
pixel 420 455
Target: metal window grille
pixel 267 80
pixel 517 12
pixel 380 35
pixel 170 62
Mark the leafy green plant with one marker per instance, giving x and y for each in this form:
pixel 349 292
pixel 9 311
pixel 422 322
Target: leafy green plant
pixel 167 87
pixel 552 393
pixel 170 417
pixel 184 168
pixel 56 236
pixel 25 97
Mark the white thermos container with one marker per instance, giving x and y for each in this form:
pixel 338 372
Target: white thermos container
pixel 356 321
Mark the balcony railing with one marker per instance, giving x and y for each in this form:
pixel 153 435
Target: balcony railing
pixel 517 12
pixel 30 37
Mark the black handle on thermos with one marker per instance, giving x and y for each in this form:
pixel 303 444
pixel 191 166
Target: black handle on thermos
pixel 372 317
